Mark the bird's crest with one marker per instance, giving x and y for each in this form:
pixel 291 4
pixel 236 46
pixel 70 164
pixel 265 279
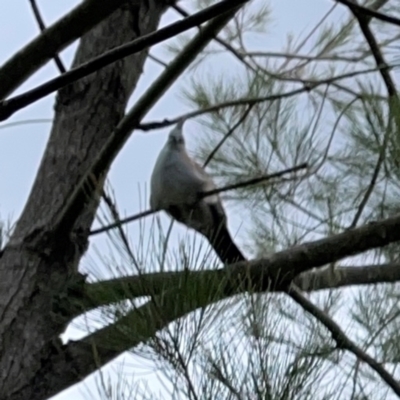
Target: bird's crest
pixel 176 135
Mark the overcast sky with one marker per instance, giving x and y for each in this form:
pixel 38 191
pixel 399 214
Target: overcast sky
pixel 21 147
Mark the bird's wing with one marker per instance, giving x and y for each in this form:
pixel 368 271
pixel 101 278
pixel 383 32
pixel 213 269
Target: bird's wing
pixel 216 229
pixel 208 184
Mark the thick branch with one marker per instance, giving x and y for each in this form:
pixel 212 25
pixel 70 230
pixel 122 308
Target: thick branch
pixel 329 278
pixel 115 290
pixel 53 40
pixel 273 273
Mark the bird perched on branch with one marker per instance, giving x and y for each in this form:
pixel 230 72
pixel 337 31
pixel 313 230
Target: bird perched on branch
pixel 177 185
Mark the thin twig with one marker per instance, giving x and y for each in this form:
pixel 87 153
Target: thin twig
pixel 374 178
pixel 42 27
pixel 229 133
pixel 369 12
pixel 25 122
pixel 374 6
pixel 222 42
pixel 157 60
pixel 165 244
pixel 376 51
pixel 218 374
pixel 299 47
pixel 205 194
pixel 308 86
pixel 114 212
pixel 9 107
pixel 380 61
pixel 342 341
pixel 255 181
pixel 122 222
pixel 294 56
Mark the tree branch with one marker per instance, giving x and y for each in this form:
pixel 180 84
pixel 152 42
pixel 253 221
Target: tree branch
pixel 9 107
pixel 42 27
pixel 228 134
pixel 115 215
pixel 343 342
pixel 347 276
pixel 375 50
pixel 54 39
pixel 370 12
pixel 308 86
pixel 222 42
pixel 272 273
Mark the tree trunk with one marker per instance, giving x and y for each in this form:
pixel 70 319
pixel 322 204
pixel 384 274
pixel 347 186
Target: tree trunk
pixel 39 265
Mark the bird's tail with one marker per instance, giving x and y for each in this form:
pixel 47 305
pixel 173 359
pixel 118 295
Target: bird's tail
pixel 218 236
pixel 225 247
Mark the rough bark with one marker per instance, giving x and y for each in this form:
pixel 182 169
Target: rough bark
pixel 39 264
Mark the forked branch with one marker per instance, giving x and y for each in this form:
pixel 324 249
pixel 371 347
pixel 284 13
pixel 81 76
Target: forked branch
pixel 342 340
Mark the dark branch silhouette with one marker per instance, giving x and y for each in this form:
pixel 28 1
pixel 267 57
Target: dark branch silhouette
pixel 9 107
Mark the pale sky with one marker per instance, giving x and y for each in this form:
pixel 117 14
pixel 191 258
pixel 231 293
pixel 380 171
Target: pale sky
pixel 21 147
